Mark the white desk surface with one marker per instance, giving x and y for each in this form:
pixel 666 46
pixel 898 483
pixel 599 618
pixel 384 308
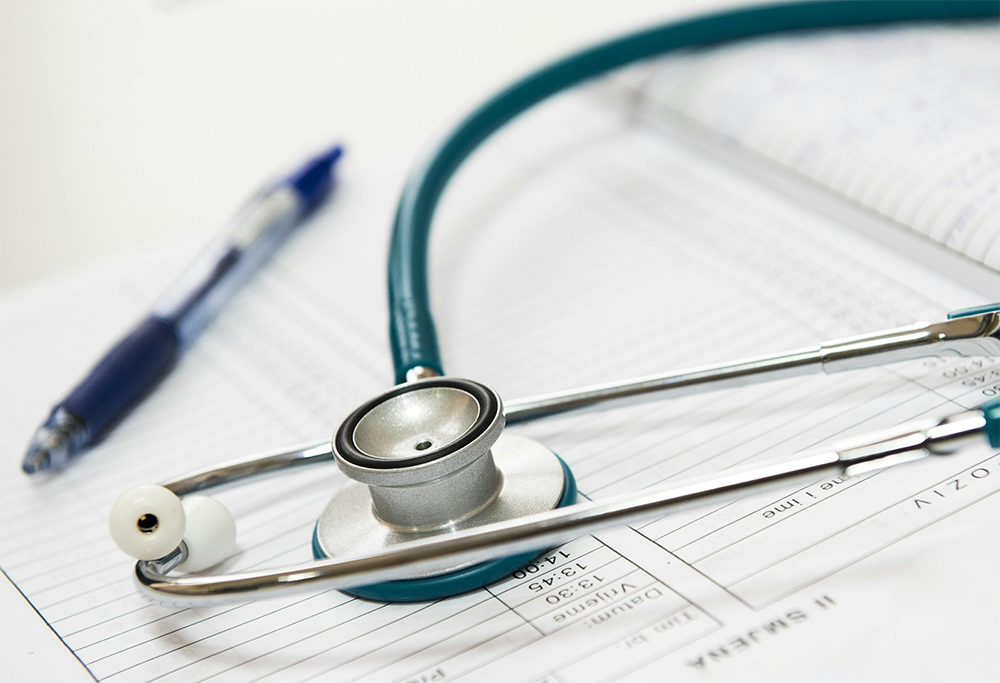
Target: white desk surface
pixel 128 123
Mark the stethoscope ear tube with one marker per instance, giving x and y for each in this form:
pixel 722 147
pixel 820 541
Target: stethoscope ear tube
pixel 411 327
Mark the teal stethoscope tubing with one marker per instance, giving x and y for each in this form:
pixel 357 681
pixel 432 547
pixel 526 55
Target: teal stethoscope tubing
pixel 411 327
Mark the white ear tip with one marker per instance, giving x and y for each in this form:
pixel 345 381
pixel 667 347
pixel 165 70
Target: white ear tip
pixel 211 533
pixel 147 522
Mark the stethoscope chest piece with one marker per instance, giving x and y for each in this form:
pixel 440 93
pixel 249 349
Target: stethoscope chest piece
pixel 427 458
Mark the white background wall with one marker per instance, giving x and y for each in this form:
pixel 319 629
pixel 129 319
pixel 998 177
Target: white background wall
pixel 125 124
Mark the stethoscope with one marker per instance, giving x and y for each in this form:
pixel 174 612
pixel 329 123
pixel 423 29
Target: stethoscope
pixel 442 501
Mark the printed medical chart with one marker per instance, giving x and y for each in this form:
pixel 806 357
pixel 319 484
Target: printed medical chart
pixel 900 121
pixel 582 246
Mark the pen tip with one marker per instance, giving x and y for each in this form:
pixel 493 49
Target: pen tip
pixel 313 181
pixel 36 461
pixel 54 443
pixel 331 155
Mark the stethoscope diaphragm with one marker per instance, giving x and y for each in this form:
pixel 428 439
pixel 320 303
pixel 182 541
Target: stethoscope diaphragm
pixel 427 458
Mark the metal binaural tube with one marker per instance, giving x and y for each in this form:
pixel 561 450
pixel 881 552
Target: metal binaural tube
pixel 973 335
pixel 546 529
pixel 532 532
pixel 255 465
pixel 678 383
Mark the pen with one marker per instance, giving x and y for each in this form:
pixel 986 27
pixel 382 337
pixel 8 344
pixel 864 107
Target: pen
pixel 123 376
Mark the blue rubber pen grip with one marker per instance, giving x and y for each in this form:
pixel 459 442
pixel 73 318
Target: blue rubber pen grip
pixel 123 375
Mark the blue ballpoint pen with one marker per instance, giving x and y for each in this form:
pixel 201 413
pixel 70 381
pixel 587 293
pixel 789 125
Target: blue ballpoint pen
pixel 131 368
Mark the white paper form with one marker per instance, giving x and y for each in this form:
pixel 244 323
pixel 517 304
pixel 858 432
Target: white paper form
pixel 576 249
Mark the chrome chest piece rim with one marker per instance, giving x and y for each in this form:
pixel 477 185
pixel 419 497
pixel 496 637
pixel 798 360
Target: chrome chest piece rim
pixel 427 458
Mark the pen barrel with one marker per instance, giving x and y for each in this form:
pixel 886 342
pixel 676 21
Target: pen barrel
pixel 256 232
pixel 123 375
